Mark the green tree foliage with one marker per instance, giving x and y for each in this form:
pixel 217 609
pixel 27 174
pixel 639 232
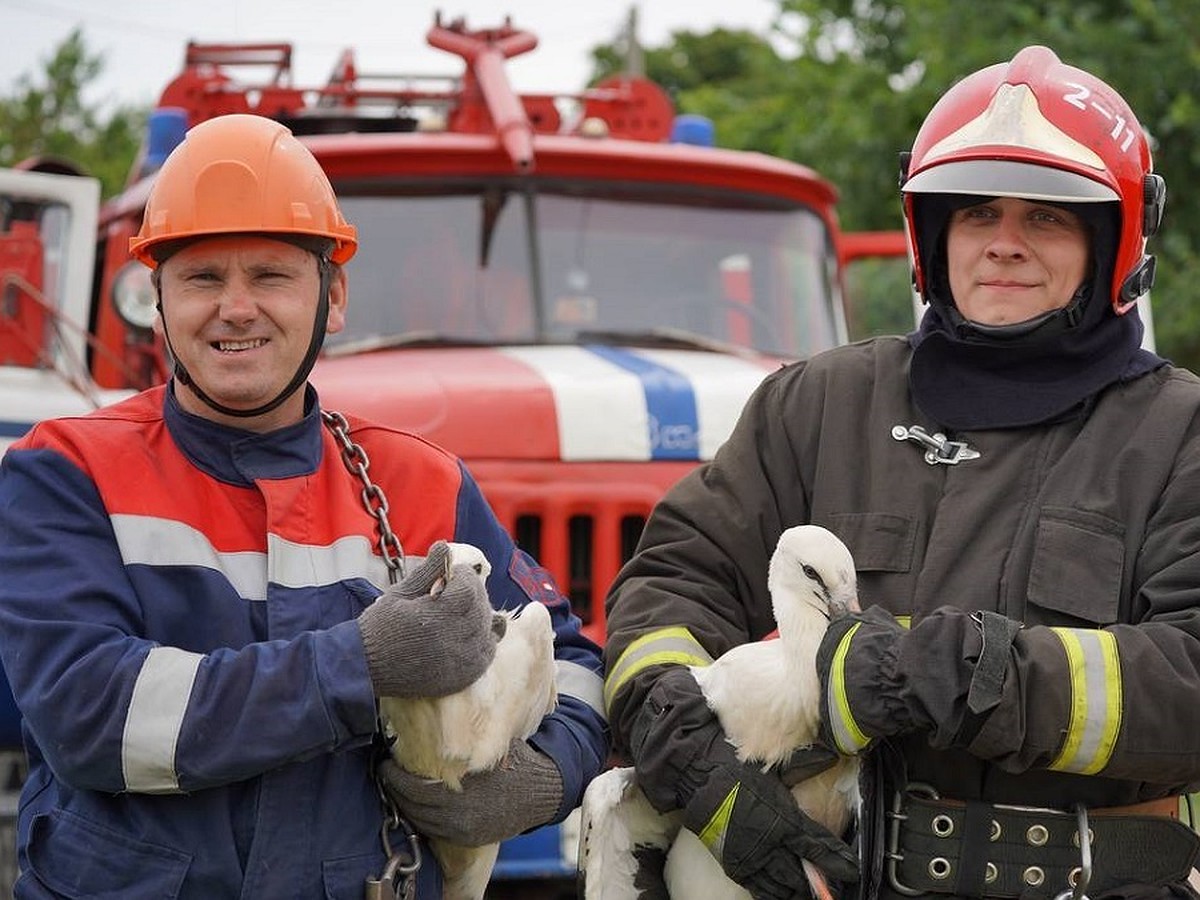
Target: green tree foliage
pixel 45 115
pixel 843 85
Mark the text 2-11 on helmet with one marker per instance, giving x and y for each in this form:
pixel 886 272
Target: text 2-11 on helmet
pixel 241 174
pixel 1039 129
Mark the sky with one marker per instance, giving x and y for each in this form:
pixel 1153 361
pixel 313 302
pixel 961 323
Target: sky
pixel 143 43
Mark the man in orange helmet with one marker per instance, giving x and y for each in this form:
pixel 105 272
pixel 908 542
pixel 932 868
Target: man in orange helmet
pixel 204 592
pixel 1017 482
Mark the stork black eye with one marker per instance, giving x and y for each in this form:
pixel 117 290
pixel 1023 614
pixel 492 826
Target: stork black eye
pixel 478 567
pixel 813 575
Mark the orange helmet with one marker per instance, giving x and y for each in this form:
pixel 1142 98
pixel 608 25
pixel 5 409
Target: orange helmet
pixel 1038 129
pixel 240 174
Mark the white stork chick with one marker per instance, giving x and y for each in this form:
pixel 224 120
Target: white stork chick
pixel 446 738
pixel 617 825
pixel 767 698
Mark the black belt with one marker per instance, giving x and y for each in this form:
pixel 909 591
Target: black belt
pixel 977 849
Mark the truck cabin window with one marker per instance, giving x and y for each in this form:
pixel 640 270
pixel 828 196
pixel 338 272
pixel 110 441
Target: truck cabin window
pixel 499 265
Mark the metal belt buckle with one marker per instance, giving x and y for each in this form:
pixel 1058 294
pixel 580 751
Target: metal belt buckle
pixel 896 817
pixel 1077 880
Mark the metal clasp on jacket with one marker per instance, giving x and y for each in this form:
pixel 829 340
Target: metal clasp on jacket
pixel 938 448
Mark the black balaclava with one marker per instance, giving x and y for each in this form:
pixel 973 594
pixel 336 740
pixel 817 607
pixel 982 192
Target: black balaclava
pixel 967 376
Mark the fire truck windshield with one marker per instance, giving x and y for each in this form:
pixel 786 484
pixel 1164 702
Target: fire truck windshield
pixel 492 264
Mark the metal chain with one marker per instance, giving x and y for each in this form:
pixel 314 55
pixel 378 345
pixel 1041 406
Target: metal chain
pixel 355 458
pixel 399 875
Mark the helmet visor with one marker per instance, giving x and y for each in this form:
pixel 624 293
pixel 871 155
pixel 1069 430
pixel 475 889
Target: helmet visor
pixel 1005 178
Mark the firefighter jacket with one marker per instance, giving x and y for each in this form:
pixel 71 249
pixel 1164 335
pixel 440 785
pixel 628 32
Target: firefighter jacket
pixel 1085 530
pixel 177 621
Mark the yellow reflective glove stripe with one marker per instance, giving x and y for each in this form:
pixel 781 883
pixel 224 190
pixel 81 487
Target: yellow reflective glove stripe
pixel 1094 666
pixel 846 733
pixel 713 833
pixel 674 645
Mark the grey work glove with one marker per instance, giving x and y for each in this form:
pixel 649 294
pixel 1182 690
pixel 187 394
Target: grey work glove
pixel 745 816
pixel 430 635
pixel 523 791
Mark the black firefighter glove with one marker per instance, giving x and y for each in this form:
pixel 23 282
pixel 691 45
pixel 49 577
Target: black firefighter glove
pixel 745 816
pixel 941 678
pixel 852 716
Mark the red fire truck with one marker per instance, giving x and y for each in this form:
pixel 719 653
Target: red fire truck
pixel 574 293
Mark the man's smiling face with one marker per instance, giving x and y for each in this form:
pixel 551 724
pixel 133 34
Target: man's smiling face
pixel 239 311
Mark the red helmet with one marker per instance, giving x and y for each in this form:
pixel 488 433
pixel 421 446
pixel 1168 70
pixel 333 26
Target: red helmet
pixel 238 174
pixel 1038 129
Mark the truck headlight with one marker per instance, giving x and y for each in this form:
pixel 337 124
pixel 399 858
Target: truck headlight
pixel 134 296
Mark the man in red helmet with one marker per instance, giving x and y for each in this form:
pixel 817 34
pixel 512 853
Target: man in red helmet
pixel 204 588
pixel 1017 482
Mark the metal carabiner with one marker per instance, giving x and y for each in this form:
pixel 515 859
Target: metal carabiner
pixel 1077 890
pixel 399 874
pixel 384 887
pixel 398 881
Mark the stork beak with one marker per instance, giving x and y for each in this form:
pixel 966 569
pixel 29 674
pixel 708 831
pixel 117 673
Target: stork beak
pixel 840 605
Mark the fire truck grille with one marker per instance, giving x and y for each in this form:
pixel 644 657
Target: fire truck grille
pixel 580 522
pixel 589 570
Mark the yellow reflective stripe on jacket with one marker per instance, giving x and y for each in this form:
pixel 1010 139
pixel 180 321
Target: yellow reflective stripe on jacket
pixel 1095 670
pixel 713 833
pixel 674 645
pixel 846 733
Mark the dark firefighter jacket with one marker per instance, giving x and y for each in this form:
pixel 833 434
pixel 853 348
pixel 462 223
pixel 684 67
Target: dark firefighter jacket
pixel 1087 531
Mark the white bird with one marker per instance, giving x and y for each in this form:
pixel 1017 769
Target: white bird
pixel 447 738
pixel 767 697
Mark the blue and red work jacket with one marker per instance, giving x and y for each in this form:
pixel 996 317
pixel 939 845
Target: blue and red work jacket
pixel 177 620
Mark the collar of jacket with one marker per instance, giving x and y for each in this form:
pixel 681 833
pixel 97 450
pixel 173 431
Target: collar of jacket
pixel 241 457
pixel 970 382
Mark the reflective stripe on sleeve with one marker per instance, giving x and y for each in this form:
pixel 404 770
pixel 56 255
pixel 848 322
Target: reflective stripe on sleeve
pixel 160 699
pixel 1095 670
pixel 713 833
pixel 581 683
pixel 674 645
pixel 846 733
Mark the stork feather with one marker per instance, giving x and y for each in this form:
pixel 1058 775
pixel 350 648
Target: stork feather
pixel 767 698
pixel 447 738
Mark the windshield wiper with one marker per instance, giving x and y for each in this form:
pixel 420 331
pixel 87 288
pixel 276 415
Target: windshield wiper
pixel 666 337
pixel 404 339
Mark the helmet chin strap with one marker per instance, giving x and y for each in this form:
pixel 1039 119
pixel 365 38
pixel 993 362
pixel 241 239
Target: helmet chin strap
pixel 1045 324
pixel 320 320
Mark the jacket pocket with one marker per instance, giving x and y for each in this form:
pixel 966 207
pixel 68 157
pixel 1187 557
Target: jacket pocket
pixel 76 857
pixel 1078 566
pixel 346 877
pixel 879 542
